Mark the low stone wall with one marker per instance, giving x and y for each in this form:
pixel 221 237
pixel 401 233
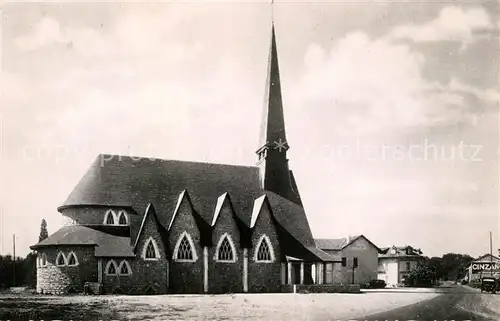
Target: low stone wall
pixel 321 288
pixel 58 280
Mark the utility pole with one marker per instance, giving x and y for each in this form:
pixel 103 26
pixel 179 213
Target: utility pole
pixel 491 254
pixel 14 265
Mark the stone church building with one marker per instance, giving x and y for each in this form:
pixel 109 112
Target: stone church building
pixel 141 225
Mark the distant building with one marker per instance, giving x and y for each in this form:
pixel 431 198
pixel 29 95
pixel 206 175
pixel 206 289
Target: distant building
pixel 396 262
pixel 351 251
pixel 486 265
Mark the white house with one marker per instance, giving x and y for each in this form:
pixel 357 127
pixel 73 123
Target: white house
pixel 394 263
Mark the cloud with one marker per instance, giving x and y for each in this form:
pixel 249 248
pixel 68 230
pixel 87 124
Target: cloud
pixel 46 32
pixel 371 85
pixel 139 32
pixel 488 95
pixel 452 24
pixel 366 79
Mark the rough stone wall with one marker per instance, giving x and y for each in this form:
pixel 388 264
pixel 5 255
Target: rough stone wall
pixel 225 277
pixel 89 215
pixel 64 279
pixel 264 277
pixel 118 284
pixel 185 277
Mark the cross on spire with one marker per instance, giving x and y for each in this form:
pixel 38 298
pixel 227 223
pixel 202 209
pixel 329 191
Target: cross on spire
pixel 272 11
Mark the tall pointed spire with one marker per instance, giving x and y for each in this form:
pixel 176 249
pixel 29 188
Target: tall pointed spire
pixel 273 123
pixel 272 160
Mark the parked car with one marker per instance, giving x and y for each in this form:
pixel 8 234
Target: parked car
pixel 488 284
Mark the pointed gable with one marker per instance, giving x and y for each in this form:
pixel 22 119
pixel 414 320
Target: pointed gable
pixel 224 206
pixel 184 207
pixel 151 227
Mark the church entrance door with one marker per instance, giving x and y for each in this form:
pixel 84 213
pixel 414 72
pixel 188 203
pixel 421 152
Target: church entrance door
pixel 296 273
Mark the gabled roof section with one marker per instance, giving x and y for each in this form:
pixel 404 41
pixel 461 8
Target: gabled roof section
pixel 150 211
pixel 245 231
pixel 218 206
pixel 487 257
pixel 203 226
pixel 181 197
pixel 110 243
pixel 292 217
pixel 340 244
pixel 257 207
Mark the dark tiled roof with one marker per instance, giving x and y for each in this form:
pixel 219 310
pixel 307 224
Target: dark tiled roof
pixel 487 257
pixel 108 242
pixel 340 244
pixel 126 181
pixel 331 244
pixel 292 217
pixel 137 182
pixel 400 251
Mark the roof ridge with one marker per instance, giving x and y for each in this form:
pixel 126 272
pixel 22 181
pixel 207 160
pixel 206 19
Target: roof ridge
pixel 172 160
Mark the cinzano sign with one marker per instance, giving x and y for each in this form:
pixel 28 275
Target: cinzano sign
pixel 481 267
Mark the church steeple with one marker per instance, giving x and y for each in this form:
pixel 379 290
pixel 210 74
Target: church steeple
pixel 272 160
pixel 273 123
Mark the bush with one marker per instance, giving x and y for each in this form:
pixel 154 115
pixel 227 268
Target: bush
pixel 377 284
pixel 148 290
pixel 475 283
pixel 420 276
pixel 72 289
pixel 117 290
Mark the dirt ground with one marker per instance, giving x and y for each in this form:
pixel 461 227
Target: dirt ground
pixel 200 307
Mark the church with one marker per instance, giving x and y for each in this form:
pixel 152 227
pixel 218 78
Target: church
pixel 153 226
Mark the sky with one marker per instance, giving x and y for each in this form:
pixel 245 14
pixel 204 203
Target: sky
pixel 391 107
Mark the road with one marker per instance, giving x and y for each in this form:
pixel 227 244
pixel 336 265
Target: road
pixel 458 303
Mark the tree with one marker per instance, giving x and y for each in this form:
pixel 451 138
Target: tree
pixel 435 264
pixel 43 231
pixel 421 276
pixel 455 265
pixel 29 270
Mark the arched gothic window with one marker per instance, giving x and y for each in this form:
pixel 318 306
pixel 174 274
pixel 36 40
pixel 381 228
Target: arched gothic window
pixel 225 251
pixel 124 268
pixel 72 259
pixel 110 217
pixel 184 250
pixel 122 218
pixel 150 251
pixel 43 259
pixel 111 268
pixel 60 259
pixel 264 252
